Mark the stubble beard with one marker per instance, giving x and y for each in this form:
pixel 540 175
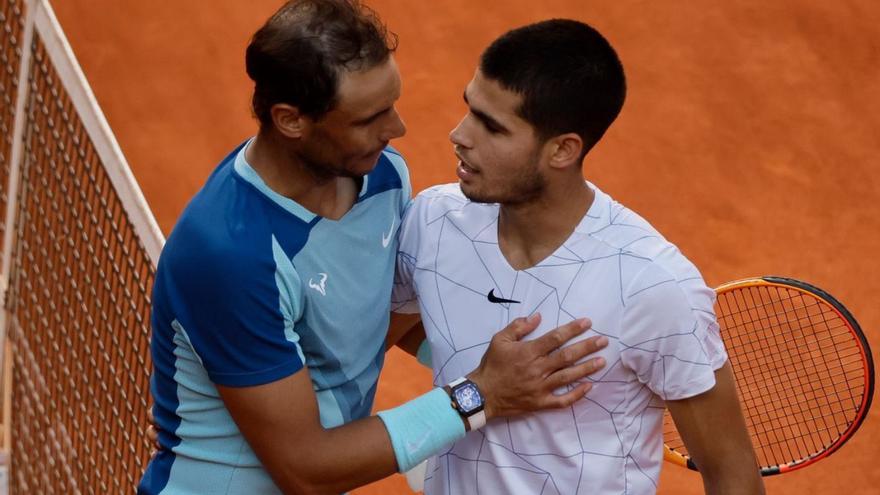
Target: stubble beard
pixel 323 171
pixel 527 185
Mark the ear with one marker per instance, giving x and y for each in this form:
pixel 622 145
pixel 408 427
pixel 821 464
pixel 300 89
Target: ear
pixel 288 120
pixel 565 150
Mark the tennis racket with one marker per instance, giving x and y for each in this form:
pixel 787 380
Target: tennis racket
pixel 803 371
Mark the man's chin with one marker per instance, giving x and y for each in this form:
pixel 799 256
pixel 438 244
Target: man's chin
pixel 473 195
pixel 363 167
pixel 358 173
pixel 350 169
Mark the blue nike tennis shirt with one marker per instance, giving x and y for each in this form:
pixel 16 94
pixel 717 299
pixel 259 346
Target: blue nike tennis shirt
pixel 250 288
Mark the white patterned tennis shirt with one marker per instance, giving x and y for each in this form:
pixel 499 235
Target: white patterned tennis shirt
pixel 636 287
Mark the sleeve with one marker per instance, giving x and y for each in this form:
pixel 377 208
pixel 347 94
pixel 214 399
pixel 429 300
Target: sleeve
pixel 671 347
pixel 404 298
pixel 237 311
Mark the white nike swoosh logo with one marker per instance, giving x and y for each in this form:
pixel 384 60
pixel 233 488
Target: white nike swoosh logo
pixel 386 239
pixel 413 447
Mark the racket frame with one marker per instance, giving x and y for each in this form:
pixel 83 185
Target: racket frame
pixel 680 459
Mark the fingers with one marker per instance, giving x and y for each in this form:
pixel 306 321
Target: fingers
pixel 556 338
pixel 569 355
pixel 520 327
pixel 153 431
pixel 567 376
pixel 567 399
pixel 515 376
pixel 153 435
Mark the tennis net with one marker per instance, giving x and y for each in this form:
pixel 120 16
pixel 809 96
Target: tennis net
pixel 79 252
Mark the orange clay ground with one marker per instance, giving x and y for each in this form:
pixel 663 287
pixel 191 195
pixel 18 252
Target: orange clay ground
pixel 749 136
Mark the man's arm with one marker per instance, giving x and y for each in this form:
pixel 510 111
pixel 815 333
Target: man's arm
pixel 405 331
pixel 714 432
pixel 281 421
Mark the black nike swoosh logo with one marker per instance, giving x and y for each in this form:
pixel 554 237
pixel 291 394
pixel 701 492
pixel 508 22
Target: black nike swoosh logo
pixel 495 299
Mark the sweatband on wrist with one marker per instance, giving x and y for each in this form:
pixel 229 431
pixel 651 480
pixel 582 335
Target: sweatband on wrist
pixel 422 427
pixel 423 355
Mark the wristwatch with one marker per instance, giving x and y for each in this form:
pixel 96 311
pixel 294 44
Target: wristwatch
pixel 468 401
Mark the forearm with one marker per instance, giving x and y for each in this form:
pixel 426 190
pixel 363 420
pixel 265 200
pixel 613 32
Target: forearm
pixel 337 460
pixel 280 420
pixel 415 431
pixel 303 457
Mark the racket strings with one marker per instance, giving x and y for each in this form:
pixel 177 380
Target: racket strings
pixel 852 355
pixel 798 367
pixel 782 439
pixel 849 364
pixel 782 411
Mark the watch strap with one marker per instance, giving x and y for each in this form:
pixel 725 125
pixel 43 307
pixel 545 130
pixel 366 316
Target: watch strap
pixel 476 420
pixel 457 381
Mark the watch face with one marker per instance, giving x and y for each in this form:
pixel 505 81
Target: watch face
pixel 468 398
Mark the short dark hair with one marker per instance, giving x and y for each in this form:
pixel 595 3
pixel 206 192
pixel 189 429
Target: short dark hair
pixel 300 52
pixel 569 76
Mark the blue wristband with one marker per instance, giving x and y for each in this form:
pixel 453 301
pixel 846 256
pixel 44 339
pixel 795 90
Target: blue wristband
pixel 423 355
pixel 422 427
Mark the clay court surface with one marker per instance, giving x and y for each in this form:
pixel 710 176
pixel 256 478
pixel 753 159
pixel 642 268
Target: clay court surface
pixel 749 137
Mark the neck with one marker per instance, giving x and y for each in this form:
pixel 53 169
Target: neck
pixel 530 232
pixel 285 173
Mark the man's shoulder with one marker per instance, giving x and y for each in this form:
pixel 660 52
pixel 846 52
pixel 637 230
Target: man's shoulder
pixel 647 257
pixel 442 196
pixel 615 224
pixel 232 241
pixel 625 230
pixel 208 263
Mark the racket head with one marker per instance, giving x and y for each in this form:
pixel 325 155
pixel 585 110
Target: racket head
pixel 803 367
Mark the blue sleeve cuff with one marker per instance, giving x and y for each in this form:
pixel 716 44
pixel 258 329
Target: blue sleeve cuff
pixel 258 377
pixel 422 427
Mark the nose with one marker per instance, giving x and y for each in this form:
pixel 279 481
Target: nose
pixel 458 135
pixel 395 129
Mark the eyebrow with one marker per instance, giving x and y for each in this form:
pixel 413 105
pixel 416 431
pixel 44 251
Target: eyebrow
pixel 485 118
